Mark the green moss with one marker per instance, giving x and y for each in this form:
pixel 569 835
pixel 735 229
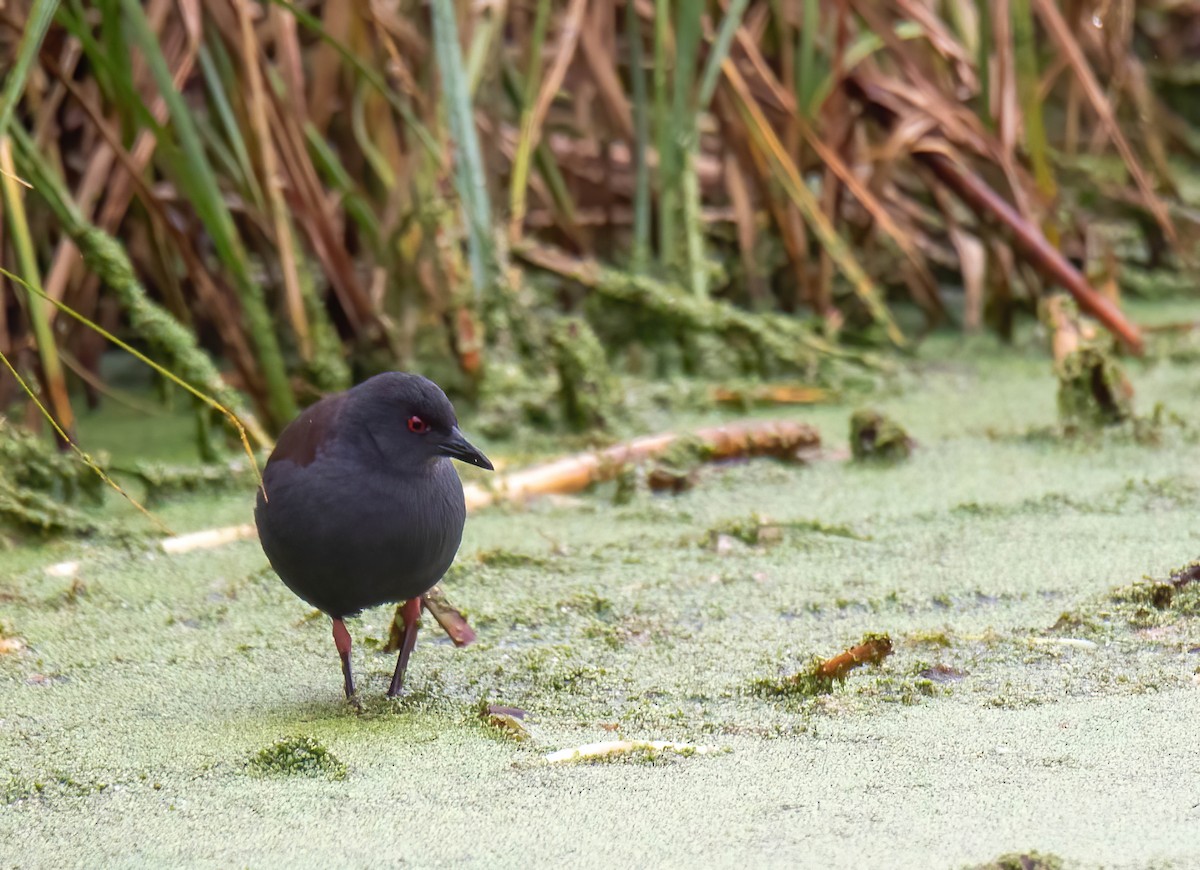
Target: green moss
pixel 19 788
pixel 759 530
pixel 162 481
pixel 513 401
pixel 501 557
pixel 587 392
pixel 805 684
pixel 626 485
pixel 1093 390
pixel 588 603
pixel 651 756
pixel 677 468
pixel 635 636
pixel 33 463
pixel 32 511
pixel 1159 602
pixel 1023 861
pixel 1145 594
pixel 751 530
pixel 297 756
pixel 39 484
pixel 874 436
pixel 504 721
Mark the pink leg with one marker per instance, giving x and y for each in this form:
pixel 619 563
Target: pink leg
pixel 411 613
pixel 341 639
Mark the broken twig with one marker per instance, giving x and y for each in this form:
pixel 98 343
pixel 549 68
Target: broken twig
pixel 452 621
pixel 872 651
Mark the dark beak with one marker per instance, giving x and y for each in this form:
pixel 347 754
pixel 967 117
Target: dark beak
pixel 458 447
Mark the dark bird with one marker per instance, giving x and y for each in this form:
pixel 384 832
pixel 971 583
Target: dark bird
pixel 361 504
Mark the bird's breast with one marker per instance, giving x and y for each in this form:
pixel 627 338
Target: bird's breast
pixel 346 538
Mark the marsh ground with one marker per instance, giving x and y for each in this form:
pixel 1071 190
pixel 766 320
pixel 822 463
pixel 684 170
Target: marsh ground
pixel 1028 704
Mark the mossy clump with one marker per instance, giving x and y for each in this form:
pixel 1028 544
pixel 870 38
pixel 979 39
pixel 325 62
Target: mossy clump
pixel 677 468
pixel 1093 390
pixel 587 603
pixel 876 437
pixel 587 391
pixel 759 530
pixel 502 720
pixel 18 789
pixel 29 462
pixel 163 481
pixel 499 557
pixel 511 400
pixel 1146 593
pixel 807 683
pixel 297 756
pixel 38 483
pixel 753 530
pixel 1155 600
pixel 28 510
pixel 1074 622
pixel 1023 861
pixel 626 485
pixel 762 531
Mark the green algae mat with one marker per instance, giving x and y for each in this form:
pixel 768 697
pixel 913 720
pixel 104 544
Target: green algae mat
pixel 1041 697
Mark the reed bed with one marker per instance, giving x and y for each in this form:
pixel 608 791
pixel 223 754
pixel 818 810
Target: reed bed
pixel 273 200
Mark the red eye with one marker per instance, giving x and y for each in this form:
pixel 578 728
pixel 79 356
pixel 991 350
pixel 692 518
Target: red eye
pixel 416 424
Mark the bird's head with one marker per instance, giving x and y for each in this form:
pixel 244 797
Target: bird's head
pixel 410 420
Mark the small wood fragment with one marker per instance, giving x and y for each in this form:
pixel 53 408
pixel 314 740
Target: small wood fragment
pixel 771 394
pixel 62 569
pixel 207 539
pixel 510 720
pixel 1066 642
pixel 873 650
pixel 448 617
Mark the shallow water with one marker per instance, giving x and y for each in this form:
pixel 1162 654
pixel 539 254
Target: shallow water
pixel 127 723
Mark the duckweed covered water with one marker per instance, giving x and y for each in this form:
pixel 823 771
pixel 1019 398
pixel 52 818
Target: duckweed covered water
pixel 1029 705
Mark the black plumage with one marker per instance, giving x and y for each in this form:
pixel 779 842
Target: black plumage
pixel 361 504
